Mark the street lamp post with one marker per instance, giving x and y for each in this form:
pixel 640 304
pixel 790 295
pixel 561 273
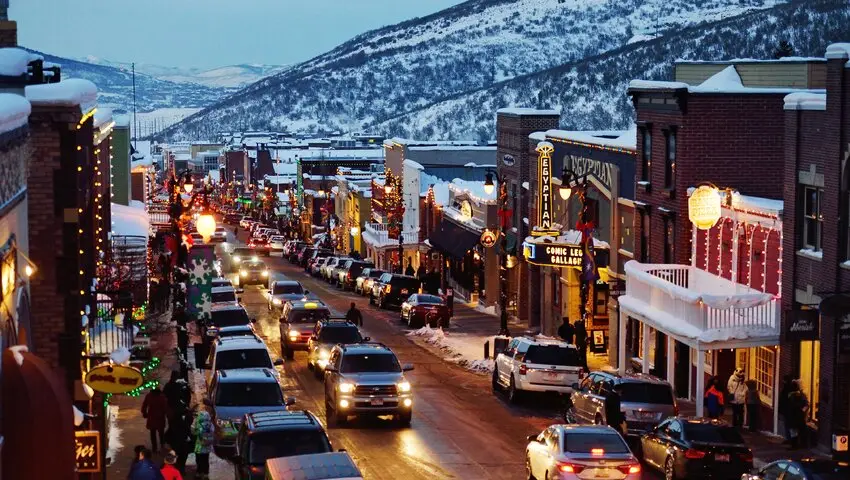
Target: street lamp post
pixel 569 182
pixel 489 187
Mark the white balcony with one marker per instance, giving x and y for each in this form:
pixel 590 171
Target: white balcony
pixel 377 235
pixel 699 309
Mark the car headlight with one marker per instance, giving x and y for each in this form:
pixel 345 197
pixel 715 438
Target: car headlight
pixel 346 387
pixel 404 387
pixel 324 354
pixel 243 273
pixel 237 258
pixel 293 335
pixel 265 273
pixel 277 301
pixel 255 259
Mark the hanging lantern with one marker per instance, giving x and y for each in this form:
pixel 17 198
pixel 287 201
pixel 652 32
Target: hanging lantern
pixel 206 226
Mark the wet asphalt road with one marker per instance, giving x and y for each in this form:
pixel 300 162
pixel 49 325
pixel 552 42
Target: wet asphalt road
pixel 459 429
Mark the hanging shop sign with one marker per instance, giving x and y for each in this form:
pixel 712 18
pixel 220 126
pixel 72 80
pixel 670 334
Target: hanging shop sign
pixel 802 325
pixel 489 237
pixel 704 207
pixel 87 447
pixel 544 192
pixel 508 160
pixel 466 209
pixel 115 379
pixel 553 254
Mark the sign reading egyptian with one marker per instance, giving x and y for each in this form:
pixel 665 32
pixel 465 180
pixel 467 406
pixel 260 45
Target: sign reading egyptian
pixel 704 207
pixel 114 379
pixel 553 254
pixel 544 186
pixel 489 237
pixel 87 447
pixel 588 167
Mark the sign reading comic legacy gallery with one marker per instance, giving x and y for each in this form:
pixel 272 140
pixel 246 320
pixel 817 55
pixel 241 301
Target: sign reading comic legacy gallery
pixel 87 448
pixel 553 254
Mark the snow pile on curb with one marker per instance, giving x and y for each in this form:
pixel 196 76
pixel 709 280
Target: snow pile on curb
pixel 460 348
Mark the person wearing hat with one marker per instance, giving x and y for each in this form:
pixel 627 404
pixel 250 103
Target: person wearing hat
pixel 169 471
pixel 737 389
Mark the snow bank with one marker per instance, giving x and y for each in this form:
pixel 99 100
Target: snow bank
pixel 115 443
pixel 463 349
pixel 106 337
pixel 14 111
pixel 14 61
pixel 67 93
pixel 129 221
pixel 805 101
pixel 537 136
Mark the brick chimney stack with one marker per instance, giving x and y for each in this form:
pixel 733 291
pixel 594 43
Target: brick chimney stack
pixel 8 28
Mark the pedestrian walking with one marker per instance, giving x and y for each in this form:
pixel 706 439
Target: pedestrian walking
pixel 354 316
pixel 713 400
pixel 155 410
pixel 177 393
pixel 613 409
pixel 169 471
pixel 737 396
pixel 581 342
pixel 787 388
pixel 421 272
pixel 566 331
pixel 202 429
pixel 179 436
pixel 798 406
pixel 409 270
pixel 143 467
pixel 753 402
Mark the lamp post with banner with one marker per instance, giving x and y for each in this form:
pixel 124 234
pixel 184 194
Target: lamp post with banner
pixel 505 214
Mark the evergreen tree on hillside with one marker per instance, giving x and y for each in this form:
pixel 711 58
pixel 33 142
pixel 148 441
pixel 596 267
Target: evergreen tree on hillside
pixel 784 49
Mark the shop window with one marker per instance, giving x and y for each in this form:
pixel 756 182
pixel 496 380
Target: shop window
pixel 670 160
pixel 600 306
pixel 644 237
pixel 646 154
pixel 764 372
pixel 669 240
pixel 810 375
pixel 812 218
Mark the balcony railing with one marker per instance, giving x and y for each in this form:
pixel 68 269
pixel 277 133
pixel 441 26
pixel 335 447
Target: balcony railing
pixel 700 299
pixel 378 234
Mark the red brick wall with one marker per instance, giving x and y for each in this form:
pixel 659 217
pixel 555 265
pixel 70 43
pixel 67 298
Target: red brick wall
pixel 8 34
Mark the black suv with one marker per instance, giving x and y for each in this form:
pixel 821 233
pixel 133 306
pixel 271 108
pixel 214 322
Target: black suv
pixel 296 324
pixel 352 270
pixel 393 289
pixel 280 433
pixel 326 334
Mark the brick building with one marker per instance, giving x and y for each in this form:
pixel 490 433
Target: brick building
pixel 816 249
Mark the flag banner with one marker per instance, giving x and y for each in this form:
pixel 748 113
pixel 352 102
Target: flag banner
pixel 199 289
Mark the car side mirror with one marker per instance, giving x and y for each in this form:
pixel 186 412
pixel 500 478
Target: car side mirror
pixel 367 339
pixel 278 362
pixel 532 438
pixel 407 367
pixel 289 401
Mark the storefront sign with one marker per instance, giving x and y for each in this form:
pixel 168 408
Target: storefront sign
pixel 113 379
pixel 87 444
pixel 844 334
pixel 466 209
pixel 508 160
pixel 544 174
pixel 488 238
pixel 553 254
pixel 601 171
pixel 802 325
pixel 704 207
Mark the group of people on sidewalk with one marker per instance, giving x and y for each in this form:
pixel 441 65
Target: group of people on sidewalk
pixel 575 335
pixel 176 427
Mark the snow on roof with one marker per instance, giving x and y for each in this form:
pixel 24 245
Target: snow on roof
pixel 605 138
pixel 537 136
pixel 283 196
pixel 447 148
pixel 121 120
pixel 475 190
pixel 215 176
pixel 839 51
pixel 142 146
pixel 657 85
pixel 765 205
pixel 410 163
pixel 390 142
pixel 14 61
pixel 14 112
pixel 724 81
pixel 280 179
pixel 67 93
pixel 130 220
pixel 282 168
pixel 526 111
pixel 805 101
pixel 752 60
pixel 182 156
pixel 102 117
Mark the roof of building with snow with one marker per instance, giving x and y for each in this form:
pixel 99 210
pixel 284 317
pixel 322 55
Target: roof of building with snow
pixel 753 60
pixel 805 101
pixel 73 92
pixel 102 117
pixel 625 139
pixel 527 112
pixel 727 81
pixel 320 154
pixel 839 51
pixel 407 142
pixel 130 220
pixel 14 61
pixel 14 112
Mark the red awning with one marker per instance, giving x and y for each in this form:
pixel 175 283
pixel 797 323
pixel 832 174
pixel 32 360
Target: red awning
pixel 38 421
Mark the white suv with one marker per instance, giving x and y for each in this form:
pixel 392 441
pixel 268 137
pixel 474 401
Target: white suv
pixel 537 364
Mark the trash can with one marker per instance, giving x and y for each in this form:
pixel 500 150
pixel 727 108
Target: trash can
pixel 841 445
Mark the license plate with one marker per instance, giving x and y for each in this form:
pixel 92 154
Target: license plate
pixel 376 402
pixel 722 457
pixel 553 376
pixel 403 291
pixel 601 473
pixel 646 415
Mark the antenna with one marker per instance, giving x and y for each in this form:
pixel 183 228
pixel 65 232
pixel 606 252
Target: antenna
pixel 135 126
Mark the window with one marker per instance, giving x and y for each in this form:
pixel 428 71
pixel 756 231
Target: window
pixel 587 442
pixel 644 237
pixel 812 218
pixel 669 240
pixel 674 430
pixel 646 154
pixel 670 161
pixel 765 363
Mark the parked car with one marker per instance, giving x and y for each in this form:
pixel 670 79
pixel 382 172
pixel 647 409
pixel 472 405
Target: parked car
pixel 348 274
pixel 364 281
pixel 422 309
pixel 314 256
pixel 222 282
pixel 326 334
pixel 220 235
pixel 683 447
pixel 305 255
pixel 330 265
pixel 806 469
pixel 267 439
pixel 316 266
pixel 253 272
pixel 224 295
pixel 234 393
pixel 276 243
pixel 237 352
pixel 586 451
pixel 296 324
pixel 536 364
pixel 393 289
pixel 316 466
pixel 339 270
pixel 297 250
pixel 226 315
pixel 647 400
pixel 366 378
pixel 282 291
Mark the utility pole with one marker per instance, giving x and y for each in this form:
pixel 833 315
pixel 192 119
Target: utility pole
pixel 135 126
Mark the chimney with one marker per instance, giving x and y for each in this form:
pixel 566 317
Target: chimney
pixel 8 28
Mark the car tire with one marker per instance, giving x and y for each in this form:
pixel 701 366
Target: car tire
pixel 371 300
pixel 494 382
pixel 669 469
pixel 405 418
pixel 513 393
pixel 529 475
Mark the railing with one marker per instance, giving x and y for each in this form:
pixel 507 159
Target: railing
pixel 380 232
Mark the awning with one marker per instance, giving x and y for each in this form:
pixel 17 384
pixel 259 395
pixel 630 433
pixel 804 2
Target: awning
pixel 453 239
pixel 835 305
pixel 38 420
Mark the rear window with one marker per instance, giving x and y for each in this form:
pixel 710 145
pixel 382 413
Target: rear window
pixel 308 316
pixel 646 393
pixel 228 296
pixel 248 394
pixel 375 362
pixel 243 358
pixel 700 432
pixel 286 289
pixel 230 318
pixel 342 335
pixel 286 443
pixel 404 282
pixel 429 299
pixel 375 273
pixel 552 355
pixel 588 442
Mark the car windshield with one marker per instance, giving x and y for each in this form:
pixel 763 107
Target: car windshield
pixel 646 393
pixel 307 316
pixel 243 253
pixel 375 273
pixel 430 299
pixel 380 362
pixel 235 332
pixel 230 318
pixel 228 296
pixel 708 433
pixel 343 335
pixel 552 355
pixel 243 358
pixel 264 394
pixel 255 266
pixel 286 443
pixel 588 442
pixel 287 288
pixel 827 470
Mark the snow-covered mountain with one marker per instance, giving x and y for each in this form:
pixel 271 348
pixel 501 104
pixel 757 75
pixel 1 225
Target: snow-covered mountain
pixel 389 72
pixel 231 76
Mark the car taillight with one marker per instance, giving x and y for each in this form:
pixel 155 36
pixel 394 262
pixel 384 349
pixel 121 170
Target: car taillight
pixel 255 470
pixel 694 454
pixel 629 469
pixel 747 457
pixel 388 289
pixel 676 410
pixel 523 369
pixel 348 275
pixel 570 468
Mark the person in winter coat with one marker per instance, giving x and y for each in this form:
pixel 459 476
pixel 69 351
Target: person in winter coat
pixel 566 331
pixel 169 471
pixel 155 410
pixel 798 405
pixel 179 435
pixel 753 401
pixel 737 396
pixel 176 392
pixel 354 316
pixel 787 388
pixel 713 400
pixel 202 429
pixel 613 409
pixel 143 467
pixel 581 342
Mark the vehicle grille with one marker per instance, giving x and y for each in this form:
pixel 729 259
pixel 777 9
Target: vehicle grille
pixel 367 390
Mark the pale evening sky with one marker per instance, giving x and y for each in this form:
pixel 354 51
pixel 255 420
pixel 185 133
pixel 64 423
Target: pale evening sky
pixel 204 33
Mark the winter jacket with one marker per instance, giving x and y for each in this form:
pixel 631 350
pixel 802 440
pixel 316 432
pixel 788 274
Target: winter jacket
pixel 202 429
pixel 713 402
pixel 753 396
pixel 155 410
pixel 798 404
pixel 144 470
pixel 737 389
pixel 566 331
pixel 170 472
